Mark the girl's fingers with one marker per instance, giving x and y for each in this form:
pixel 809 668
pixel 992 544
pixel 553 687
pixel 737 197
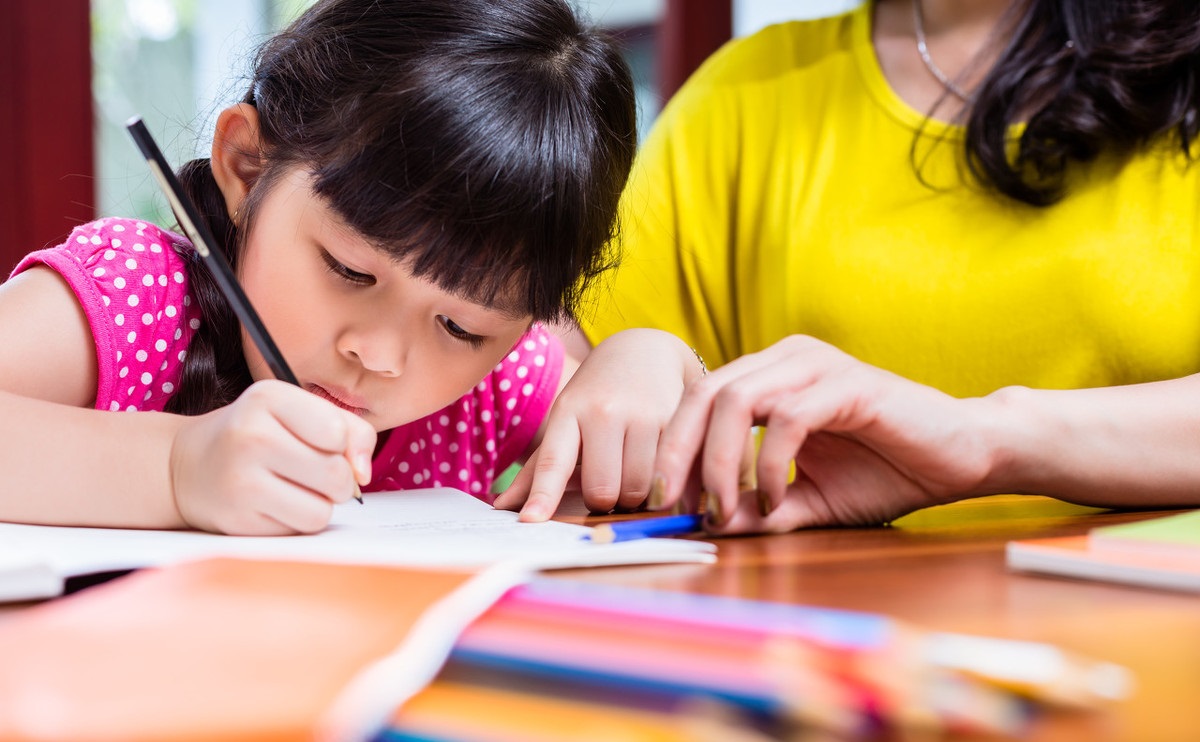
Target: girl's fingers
pixel 550 467
pixel 328 475
pixel 637 470
pixel 321 427
pixel 296 509
pixel 321 424
pixel 601 461
pixel 516 494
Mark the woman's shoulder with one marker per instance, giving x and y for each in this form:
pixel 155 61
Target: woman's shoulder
pixel 778 49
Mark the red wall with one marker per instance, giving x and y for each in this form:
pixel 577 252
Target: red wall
pixel 46 138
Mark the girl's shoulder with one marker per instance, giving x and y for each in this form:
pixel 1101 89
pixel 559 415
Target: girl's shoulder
pixel 130 277
pixel 133 238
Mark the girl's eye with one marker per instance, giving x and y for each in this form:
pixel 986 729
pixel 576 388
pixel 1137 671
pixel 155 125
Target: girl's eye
pixel 455 331
pixel 354 277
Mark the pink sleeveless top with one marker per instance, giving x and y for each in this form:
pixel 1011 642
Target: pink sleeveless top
pixel 133 286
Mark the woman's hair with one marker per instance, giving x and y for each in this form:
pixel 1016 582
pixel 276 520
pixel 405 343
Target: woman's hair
pixel 483 143
pixel 1088 76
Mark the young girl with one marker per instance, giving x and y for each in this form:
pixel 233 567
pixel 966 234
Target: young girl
pixel 404 192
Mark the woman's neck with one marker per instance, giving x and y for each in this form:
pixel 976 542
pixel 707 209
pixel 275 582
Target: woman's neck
pixel 935 54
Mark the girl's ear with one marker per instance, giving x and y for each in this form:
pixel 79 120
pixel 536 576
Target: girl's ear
pixel 236 157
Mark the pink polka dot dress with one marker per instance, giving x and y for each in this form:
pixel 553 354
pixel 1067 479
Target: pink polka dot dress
pixel 133 286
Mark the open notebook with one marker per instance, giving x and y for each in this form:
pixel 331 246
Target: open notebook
pixel 439 527
pixel 299 637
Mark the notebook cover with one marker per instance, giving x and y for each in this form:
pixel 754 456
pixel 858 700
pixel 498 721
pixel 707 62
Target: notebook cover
pixel 229 649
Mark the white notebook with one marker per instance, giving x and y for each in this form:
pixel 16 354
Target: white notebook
pixel 417 528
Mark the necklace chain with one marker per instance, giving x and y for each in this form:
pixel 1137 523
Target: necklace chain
pixel 923 50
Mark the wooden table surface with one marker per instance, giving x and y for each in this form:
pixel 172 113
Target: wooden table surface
pixel 943 569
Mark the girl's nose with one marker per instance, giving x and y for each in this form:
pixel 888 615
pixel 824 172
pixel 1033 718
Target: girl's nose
pixel 378 353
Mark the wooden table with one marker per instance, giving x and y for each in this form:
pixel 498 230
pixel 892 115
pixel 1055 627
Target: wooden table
pixel 943 569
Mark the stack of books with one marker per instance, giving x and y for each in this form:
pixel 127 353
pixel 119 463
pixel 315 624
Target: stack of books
pixel 1162 552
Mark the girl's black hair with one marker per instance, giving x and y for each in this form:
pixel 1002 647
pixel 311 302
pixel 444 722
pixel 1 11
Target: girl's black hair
pixel 1129 75
pixel 484 143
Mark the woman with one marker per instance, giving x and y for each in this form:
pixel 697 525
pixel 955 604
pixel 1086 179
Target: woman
pixel 939 249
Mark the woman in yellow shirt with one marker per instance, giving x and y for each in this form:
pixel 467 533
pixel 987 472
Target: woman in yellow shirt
pixel 902 234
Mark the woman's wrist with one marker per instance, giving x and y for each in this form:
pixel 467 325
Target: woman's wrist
pixel 1022 443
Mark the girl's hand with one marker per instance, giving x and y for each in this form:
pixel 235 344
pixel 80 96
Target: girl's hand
pixel 608 419
pixel 273 462
pixel 866 445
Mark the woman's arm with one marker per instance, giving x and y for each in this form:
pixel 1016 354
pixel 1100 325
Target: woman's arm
pixel 867 446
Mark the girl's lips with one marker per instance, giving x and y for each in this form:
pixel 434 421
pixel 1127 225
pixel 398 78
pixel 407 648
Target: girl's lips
pixel 342 399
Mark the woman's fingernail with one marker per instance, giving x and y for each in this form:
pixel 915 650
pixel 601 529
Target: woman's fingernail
pixel 712 507
pixel 658 493
pixel 765 506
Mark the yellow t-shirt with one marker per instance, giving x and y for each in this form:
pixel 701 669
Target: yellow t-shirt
pixel 778 195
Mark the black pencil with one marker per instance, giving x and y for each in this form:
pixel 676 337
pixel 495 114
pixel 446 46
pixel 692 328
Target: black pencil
pixel 197 231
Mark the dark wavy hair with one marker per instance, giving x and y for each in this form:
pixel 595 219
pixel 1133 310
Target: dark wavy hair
pixel 1129 76
pixel 484 143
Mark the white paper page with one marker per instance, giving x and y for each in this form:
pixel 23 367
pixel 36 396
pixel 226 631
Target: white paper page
pixel 24 575
pixel 431 527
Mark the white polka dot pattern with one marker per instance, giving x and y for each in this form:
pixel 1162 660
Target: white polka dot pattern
pixel 467 444
pixel 134 290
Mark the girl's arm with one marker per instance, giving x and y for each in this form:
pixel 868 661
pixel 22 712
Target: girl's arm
pixel 273 462
pixel 607 419
pixel 62 462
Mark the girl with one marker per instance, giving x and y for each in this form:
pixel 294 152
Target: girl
pixel 405 190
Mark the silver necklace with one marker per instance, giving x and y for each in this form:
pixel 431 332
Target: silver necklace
pixel 923 50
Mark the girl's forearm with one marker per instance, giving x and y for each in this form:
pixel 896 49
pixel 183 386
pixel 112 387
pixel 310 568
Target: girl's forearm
pixel 1129 446
pixel 72 466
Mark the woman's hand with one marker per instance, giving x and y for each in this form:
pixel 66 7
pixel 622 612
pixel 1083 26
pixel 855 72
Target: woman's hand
pixel 273 462
pixel 866 446
pixel 608 419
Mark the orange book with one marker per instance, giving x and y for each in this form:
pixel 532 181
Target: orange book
pixel 235 649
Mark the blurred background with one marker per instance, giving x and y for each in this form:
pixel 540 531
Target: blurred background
pixel 73 71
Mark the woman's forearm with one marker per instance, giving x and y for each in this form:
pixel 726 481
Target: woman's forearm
pixel 1128 446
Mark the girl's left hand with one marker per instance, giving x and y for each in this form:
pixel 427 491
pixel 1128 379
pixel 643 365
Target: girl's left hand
pixel 607 419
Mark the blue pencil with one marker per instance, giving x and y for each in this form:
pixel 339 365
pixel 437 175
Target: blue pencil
pixel 627 530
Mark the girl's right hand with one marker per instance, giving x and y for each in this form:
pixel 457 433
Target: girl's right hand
pixel 273 462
